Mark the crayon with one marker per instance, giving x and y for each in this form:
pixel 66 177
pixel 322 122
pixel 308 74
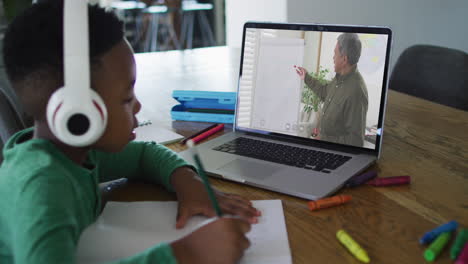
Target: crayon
pixel 436 246
pixel 460 241
pixel 390 181
pixel 361 179
pixel 208 133
pixel 328 202
pixel 463 258
pixel 198 133
pixel 352 246
pixel 431 235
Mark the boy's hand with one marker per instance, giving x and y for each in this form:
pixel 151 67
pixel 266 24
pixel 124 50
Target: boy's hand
pixel 221 241
pixel 194 200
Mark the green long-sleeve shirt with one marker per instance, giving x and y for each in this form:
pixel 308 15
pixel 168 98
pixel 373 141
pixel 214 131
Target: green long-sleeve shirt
pixel 47 200
pixel 345 103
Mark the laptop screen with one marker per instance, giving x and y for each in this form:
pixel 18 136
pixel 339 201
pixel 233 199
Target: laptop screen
pixel 317 82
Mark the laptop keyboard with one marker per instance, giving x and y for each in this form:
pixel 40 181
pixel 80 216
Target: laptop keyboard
pixel 284 154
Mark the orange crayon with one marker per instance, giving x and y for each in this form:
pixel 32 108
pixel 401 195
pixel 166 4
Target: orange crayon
pixel 329 202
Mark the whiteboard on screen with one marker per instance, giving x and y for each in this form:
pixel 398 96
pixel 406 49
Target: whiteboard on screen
pixel 277 85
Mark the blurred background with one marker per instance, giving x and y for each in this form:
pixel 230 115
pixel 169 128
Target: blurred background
pixel 186 24
pixel 161 25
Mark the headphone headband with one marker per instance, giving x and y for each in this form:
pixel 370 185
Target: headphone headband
pixel 76 48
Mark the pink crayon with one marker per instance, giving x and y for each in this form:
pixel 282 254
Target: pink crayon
pixel 390 181
pixel 463 257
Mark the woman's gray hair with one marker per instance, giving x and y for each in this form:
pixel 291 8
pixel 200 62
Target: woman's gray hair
pixel 350 46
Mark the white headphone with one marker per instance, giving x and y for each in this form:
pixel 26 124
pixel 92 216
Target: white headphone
pixel 76 114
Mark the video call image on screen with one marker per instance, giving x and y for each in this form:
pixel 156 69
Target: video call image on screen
pixel 319 85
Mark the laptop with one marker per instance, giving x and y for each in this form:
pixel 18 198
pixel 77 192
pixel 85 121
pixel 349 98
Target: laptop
pixel 310 108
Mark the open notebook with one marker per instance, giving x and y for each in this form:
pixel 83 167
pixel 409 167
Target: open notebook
pixel 125 229
pixel 148 131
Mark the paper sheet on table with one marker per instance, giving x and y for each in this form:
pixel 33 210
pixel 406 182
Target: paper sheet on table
pixel 159 134
pixel 125 229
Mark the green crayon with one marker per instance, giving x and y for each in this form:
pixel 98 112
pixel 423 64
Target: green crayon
pixel 457 246
pixel 436 247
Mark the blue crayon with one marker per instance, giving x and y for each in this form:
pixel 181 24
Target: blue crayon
pixel 431 235
pixel 361 179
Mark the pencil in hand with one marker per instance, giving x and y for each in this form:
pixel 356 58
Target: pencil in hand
pixel 204 178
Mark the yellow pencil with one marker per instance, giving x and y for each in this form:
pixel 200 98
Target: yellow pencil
pixel 352 246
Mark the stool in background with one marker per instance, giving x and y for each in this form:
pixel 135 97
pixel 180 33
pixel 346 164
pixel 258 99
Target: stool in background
pixel 190 9
pixel 159 23
pixel 10 120
pixel 131 13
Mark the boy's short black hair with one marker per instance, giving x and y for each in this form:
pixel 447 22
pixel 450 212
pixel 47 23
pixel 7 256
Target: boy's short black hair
pixel 33 46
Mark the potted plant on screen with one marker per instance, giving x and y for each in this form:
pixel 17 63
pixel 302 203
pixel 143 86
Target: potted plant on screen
pixel 311 104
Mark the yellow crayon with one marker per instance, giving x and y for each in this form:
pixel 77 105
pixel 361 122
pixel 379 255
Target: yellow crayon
pixel 352 246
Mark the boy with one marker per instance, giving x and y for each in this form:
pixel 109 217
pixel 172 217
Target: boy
pixel 50 190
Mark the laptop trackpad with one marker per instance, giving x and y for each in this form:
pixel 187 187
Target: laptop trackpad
pixel 250 169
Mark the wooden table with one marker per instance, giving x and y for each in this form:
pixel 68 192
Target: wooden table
pixel 422 139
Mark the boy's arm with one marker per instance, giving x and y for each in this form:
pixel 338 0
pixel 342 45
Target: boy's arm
pixel 44 222
pixel 140 160
pixel 47 218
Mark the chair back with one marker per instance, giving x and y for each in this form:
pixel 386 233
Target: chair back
pixel 433 73
pixel 10 120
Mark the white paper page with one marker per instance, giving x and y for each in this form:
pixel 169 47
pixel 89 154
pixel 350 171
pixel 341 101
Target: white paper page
pixel 278 87
pixel 125 229
pixel 159 134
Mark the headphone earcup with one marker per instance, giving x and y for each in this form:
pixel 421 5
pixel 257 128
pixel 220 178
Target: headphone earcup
pixel 99 107
pixel 76 122
pixel 53 106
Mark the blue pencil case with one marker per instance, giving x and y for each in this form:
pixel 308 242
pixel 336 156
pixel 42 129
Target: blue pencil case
pixel 204 106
